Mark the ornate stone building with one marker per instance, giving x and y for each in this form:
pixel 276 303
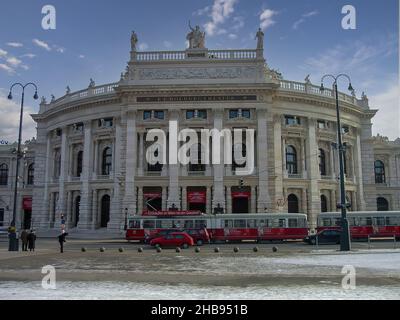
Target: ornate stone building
pixel 90 148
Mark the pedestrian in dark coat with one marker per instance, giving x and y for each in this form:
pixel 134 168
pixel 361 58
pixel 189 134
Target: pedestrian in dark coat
pixel 61 240
pixel 24 240
pixel 31 240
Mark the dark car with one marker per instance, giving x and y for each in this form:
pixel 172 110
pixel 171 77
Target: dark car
pixel 328 236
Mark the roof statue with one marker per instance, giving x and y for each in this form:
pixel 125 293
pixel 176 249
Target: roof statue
pixel 196 38
pixel 134 41
pixel 92 83
pixel 307 79
pixel 68 90
pixel 260 39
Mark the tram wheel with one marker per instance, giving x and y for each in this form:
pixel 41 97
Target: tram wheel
pixel 185 246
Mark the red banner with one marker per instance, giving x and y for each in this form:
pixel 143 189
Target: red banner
pixel 196 197
pixel 171 213
pixel 153 195
pixel 27 203
pixel 240 194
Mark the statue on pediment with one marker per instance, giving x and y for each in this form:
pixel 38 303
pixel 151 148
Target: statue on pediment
pixel 260 39
pixel 134 41
pixel 196 38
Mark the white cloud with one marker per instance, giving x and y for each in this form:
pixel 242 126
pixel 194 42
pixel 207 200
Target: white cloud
pixel 167 44
pixel 15 44
pixel 81 56
pixel 41 44
pixel 221 10
pixel 14 61
pixel 232 36
pixel 143 46
pixel 201 12
pixel 28 55
pixel 59 49
pixel 25 67
pixel 238 23
pixel 266 18
pixel 9 125
pixel 387 120
pixel 3 53
pixel 303 18
pixel 6 68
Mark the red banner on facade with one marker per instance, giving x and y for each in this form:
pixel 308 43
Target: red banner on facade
pixel 27 203
pixel 196 197
pixel 153 195
pixel 171 213
pixel 240 194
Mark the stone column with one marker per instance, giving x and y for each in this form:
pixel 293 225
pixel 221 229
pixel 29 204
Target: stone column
pixel 140 201
pixel 332 161
pixel 253 200
pixel 51 211
pixel 304 201
pixel 94 216
pixel 333 201
pixel 117 214
pixel 184 198
pixel 164 198
pixel 264 200
pixel 303 162
pixel 68 213
pixel 85 204
pixel 359 174
pixel 279 160
pixel 173 168
pixel 131 152
pixel 63 174
pixel 208 199
pixel 40 205
pixel 229 199
pixel 96 159
pixel 313 174
pixel 283 151
pixel 141 150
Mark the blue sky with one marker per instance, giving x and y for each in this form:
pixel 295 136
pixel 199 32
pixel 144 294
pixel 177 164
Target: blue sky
pixel 92 40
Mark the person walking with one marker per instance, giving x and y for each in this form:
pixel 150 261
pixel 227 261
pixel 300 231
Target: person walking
pixel 31 240
pixel 24 240
pixel 61 240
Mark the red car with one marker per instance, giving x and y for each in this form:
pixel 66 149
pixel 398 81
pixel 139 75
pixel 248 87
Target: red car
pixel 200 236
pixel 173 239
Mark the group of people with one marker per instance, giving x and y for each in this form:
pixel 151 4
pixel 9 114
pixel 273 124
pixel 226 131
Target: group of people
pixel 28 239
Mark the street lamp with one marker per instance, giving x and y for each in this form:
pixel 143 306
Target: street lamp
pixel 345 234
pixel 13 242
pixel 126 219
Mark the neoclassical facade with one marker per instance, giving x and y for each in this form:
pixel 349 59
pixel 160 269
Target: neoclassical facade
pixel 90 151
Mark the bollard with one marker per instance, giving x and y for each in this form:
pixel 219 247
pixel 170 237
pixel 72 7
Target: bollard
pixel 159 249
pixel 236 249
pixel 140 249
pixel 83 249
pixel 255 249
pixel 197 250
pixel 121 249
pixel 216 250
pixel 274 249
pixel 178 249
pixel 102 249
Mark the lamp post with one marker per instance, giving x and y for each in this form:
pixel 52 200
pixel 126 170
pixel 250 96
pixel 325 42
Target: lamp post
pixel 126 219
pixel 13 241
pixel 345 233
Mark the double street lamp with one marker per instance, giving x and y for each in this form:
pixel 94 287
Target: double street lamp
pixel 345 233
pixel 13 241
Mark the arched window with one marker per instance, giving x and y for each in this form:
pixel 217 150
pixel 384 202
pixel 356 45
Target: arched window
pixel 291 160
pixel 322 162
pixel 79 161
pixel 31 172
pixel 324 203
pixel 382 204
pixel 293 204
pixel 379 172
pixel 3 174
pixel 107 161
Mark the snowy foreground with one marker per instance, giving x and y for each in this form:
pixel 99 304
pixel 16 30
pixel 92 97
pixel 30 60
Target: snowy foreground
pixel 314 275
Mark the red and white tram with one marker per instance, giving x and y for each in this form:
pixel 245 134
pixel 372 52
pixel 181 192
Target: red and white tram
pixel 364 223
pixel 221 227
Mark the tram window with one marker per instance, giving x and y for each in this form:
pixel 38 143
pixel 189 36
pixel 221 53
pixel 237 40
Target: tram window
pixel 240 223
pixel 134 224
pixel 251 223
pixel 188 224
pixel 200 224
pixel 337 222
pixel 392 221
pixel 178 223
pixel 292 223
pixel 352 221
pixel 261 223
pixel 148 224
pixel 326 222
pixel 279 223
pixel 302 223
pixel 379 221
pixel 228 223
pixel 366 221
pixel 164 224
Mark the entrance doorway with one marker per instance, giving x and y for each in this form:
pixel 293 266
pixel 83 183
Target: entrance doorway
pixel 293 204
pixel 77 206
pixel 197 199
pixel 241 200
pixel 152 197
pixel 27 219
pixel 105 211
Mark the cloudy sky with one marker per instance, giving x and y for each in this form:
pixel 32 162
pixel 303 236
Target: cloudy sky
pixel 92 40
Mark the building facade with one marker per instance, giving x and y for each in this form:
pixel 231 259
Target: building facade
pixel 90 152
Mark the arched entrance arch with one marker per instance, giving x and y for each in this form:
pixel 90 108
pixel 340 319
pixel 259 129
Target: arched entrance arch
pixel 293 204
pixel 382 204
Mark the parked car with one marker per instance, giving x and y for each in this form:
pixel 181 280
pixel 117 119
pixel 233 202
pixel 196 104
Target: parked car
pixel 200 236
pixel 161 233
pixel 173 239
pixel 327 236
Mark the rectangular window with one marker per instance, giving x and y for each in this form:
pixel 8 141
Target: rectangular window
pixel 392 221
pixel 1 217
pixel 228 223
pixel 200 224
pixel 134 224
pixel 291 120
pixel 146 115
pixel 108 123
pixel 240 223
pixel 326 222
pixel 251 223
pixel 190 114
pixel 188 224
pixel 379 221
pixel 292 223
pixel 148 224
pixel 321 124
pixel 202 114
pixel 246 113
pixel 365 221
pixel 234 113
pixel 159 115
pixel 345 129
